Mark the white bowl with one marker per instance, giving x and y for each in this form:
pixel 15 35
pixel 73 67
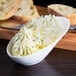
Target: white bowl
pixel 40 54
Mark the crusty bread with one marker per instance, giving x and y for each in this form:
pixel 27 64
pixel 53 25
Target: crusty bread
pixel 26 11
pixel 8 8
pixel 8 24
pixel 11 23
pixel 13 20
pixel 63 10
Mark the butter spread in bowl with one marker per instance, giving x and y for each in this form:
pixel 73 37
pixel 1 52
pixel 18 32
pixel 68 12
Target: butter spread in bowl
pixel 36 36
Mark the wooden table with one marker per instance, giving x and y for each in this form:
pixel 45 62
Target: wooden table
pixel 58 63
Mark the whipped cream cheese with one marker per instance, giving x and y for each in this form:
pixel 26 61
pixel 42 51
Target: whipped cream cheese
pixel 35 35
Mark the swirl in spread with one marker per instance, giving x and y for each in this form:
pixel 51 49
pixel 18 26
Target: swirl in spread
pixel 35 35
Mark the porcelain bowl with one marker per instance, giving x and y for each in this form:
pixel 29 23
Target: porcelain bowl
pixel 38 56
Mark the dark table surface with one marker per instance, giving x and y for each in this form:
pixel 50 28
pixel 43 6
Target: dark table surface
pixel 59 62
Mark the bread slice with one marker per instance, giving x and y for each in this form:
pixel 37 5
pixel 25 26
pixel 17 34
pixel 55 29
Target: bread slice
pixel 8 24
pixel 8 8
pixel 26 11
pixel 63 10
pixel 11 23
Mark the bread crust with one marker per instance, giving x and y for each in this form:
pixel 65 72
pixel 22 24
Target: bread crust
pixel 32 3
pixel 14 21
pixel 12 11
pixel 11 23
pixel 71 17
pixel 8 24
